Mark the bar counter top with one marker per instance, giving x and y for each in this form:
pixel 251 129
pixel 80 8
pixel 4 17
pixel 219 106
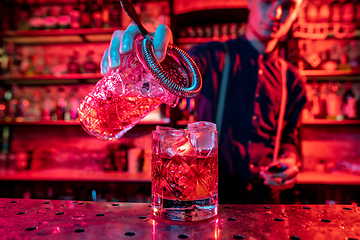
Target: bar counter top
pixel 64 219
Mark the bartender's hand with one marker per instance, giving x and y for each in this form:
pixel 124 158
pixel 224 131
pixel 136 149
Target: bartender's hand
pixel 281 180
pixel 122 42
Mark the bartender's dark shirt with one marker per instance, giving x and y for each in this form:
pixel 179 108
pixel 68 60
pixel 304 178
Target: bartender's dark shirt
pixel 251 107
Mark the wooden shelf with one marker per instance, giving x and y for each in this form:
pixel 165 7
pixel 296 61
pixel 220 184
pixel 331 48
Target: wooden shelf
pixel 338 75
pixel 74 175
pixel 58 36
pixel 197 40
pixel 52 79
pixel 73 123
pixel 335 178
pixel 330 122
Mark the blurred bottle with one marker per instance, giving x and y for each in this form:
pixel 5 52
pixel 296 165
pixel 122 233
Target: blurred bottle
pixel 322 101
pixel 76 16
pixel 344 62
pixel 64 20
pixel 14 68
pixel 233 30
pixel 105 14
pixel 61 105
pixel 324 13
pixel 115 15
pixel 347 11
pixel 11 103
pixel 358 105
pixel 312 13
pixel 85 11
pixel 349 102
pixel 74 103
pixel 4 62
pixel 333 102
pixel 357 11
pixel 73 65
pixel 51 19
pixel 328 63
pixel 135 159
pixel 120 160
pixel 46 109
pixel 2 104
pixel 89 65
pixel 96 14
pixel 335 7
pixel 37 20
pixel 216 31
pixel 34 113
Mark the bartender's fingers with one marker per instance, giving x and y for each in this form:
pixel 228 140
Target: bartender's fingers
pixel 288 184
pixel 289 173
pixel 269 181
pixel 128 38
pixel 104 66
pixel 163 36
pixel 114 54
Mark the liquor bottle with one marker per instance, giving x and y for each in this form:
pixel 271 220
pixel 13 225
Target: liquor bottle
pixel 85 11
pixel 349 102
pixel 90 66
pixel 2 104
pixel 328 63
pixel 51 21
pixel 64 19
pixel 324 13
pixel 75 16
pixel 61 105
pixel 46 109
pixel 358 105
pixel 333 102
pixel 312 13
pixel 73 65
pixel 115 15
pixel 37 21
pixel 322 101
pixel 357 11
pixel 96 15
pixel 4 62
pixel 344 62
pixel 105 15
pixel 335 11
pixel 347 11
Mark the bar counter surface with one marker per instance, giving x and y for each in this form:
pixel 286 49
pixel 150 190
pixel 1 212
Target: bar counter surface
pixel 64 219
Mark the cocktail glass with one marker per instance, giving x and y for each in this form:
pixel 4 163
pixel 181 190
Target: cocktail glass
pixel 184 172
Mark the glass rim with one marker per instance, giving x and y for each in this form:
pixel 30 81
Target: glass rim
pixel 185 130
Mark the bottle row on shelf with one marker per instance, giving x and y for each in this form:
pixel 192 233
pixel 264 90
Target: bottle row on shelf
pixel 330 11
pixel 36 103
pixel 333 101
pixel 216 31
pixel 17 61
pixel 327 100
pixel 26 15
pixel 329 55
pixel 48 103
pixel 323 19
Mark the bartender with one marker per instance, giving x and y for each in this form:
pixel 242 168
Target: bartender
pixel 252 99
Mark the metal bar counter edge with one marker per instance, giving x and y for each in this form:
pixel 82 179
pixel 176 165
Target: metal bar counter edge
pixel 67 219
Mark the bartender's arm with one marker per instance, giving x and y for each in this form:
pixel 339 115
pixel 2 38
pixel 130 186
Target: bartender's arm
pixel 288 154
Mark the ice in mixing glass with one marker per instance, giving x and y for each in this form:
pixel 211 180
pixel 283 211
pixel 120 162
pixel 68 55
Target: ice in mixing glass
pixel 184 172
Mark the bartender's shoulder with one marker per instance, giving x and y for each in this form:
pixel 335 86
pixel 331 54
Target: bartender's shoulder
pixel 295 72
